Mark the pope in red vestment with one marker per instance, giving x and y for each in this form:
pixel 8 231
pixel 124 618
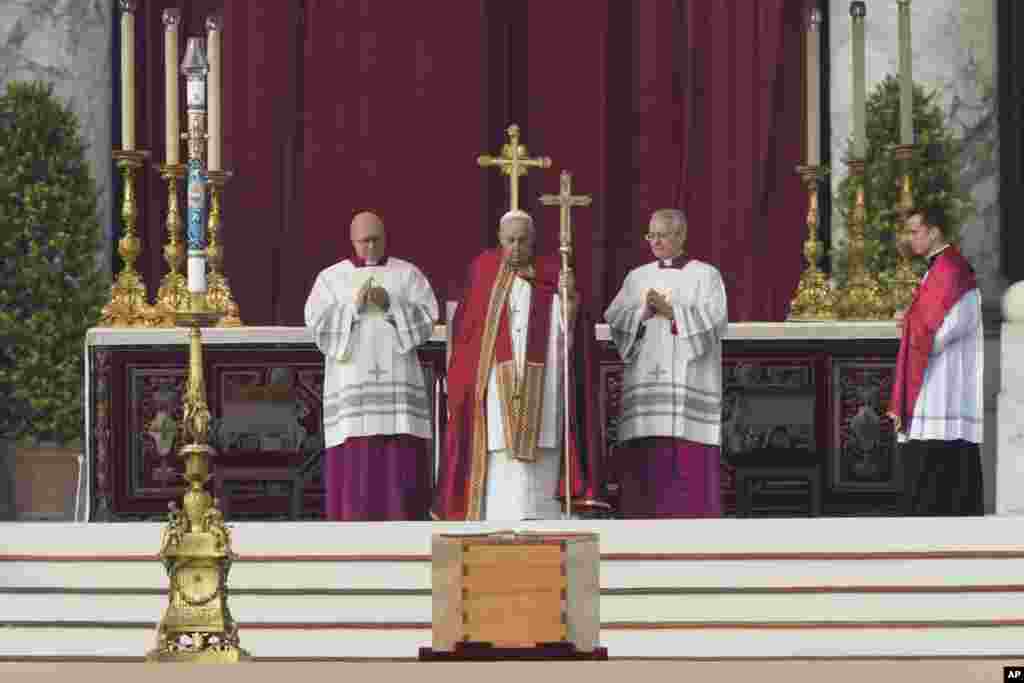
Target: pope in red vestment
pixel 481 342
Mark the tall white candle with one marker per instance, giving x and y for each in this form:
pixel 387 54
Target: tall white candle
pixel 813 89
pixel 172 20
pixel 213 95
pixel 906 77
pixel 857 12
pixel 197 271
pixel 128 75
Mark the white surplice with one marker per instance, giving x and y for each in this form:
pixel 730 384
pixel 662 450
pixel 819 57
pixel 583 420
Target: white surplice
pixel 516 490
pixel 672 383
pixel 373 381
pixel 951 404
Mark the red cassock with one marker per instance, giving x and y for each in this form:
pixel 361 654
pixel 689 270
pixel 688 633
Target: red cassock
pixel 949 278
pixel 482 341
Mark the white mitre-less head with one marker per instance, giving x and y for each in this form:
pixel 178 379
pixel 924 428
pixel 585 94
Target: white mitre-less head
pixel 516 214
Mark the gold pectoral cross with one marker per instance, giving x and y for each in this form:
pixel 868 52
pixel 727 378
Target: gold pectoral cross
pixel 514 162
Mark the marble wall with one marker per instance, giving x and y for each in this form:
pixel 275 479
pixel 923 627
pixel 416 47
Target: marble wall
pixel 68 43
pixel 954 51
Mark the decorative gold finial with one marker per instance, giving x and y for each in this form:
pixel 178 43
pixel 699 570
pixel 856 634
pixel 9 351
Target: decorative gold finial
pixel 219 295
pixel 128 305
pixel 904 279
pixel 814 296
pixel 861 298
pixel 514 161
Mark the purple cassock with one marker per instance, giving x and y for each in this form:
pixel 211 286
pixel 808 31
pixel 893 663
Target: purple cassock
pixel 665 477
pixel 378 478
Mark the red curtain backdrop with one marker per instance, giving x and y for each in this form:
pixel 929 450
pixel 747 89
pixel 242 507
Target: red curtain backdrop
pixel 335 106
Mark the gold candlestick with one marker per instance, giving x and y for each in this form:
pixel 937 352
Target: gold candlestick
pixel 128 305
pixel 195 546
pixel 904 279
pixel 219 292
pixel 861 298
pixel 173 294
pixel 814 296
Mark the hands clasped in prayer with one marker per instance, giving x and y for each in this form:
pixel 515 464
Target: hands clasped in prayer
pixel 372 296
pixel 657 304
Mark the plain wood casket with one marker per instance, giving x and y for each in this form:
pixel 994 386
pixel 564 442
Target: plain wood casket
pixel 516 590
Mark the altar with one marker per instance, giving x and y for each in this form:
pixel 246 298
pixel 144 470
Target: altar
pixel 811 393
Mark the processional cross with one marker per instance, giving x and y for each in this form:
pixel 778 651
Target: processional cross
pixel 566 201
pixel 514 161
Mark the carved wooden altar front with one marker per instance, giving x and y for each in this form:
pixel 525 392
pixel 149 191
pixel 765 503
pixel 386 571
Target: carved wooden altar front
pixel 818 388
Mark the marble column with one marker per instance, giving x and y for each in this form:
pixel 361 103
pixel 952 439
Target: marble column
pixel 1010 454
pixel 68 43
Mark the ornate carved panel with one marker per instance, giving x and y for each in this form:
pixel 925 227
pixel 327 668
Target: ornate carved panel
pixel 863 455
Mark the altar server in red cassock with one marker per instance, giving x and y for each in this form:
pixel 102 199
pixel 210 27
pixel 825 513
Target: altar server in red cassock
pixel 667 322
pixel 937 405
pixel 368 314
pixel 503 457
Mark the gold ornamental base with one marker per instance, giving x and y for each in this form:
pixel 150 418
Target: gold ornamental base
pixel 195 546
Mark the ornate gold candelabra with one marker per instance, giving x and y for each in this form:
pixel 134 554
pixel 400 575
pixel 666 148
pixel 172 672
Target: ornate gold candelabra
pixel 861 298
pixel 128 305
pixel 219 294
pixel 904 279
pixel 173 294
pixel 814 296
pixel 195 548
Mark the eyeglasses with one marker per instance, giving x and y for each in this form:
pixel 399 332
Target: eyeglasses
pixel 652 236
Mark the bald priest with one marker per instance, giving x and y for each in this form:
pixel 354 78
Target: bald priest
pixel 503 457
pixel 368 315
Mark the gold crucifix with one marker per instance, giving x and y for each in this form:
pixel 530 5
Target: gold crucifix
pixel 514 161
pixel 567 201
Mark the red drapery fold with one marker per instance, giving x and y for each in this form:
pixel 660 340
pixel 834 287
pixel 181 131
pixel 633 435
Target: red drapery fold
pixel 334 106
pixel 393 100
pixel 717 132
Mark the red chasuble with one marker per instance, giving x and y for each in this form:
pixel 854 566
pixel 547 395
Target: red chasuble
pixel 482 341
pixel 949 278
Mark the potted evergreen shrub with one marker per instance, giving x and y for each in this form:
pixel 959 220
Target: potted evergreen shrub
pixel 933 173
pixel 51 284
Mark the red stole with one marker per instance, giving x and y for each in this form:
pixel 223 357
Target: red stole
pixel 482 341
pixel 949 278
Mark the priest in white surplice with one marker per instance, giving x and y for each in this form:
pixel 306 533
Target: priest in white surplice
pixel 368 315
pixel 937 405
pixel 667 322
pixel 503 443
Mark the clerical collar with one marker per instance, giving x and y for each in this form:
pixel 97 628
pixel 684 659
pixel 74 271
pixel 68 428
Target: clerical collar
pixel 677 262
pixel 935 254
pixel 360 263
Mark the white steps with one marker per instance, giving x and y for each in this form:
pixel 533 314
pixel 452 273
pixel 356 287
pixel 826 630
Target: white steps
pixel 822 587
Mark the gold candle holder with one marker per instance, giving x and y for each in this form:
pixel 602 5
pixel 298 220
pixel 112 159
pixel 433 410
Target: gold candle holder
pixel 814 298
pixel 195 546
pixel 861 298
pixel 173 295
pixel 219 291
pixel 904 279
pixel 128 305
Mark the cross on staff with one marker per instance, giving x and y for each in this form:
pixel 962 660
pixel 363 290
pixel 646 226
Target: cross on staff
pixel 566 201
pixel 514 162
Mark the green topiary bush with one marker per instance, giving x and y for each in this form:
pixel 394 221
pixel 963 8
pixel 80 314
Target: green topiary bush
pixel 51 285
pixel 934 174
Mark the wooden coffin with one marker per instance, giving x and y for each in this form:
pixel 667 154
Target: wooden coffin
pixel 516 590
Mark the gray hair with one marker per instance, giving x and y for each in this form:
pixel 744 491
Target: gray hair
pixel 516 214
pixel 674 218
